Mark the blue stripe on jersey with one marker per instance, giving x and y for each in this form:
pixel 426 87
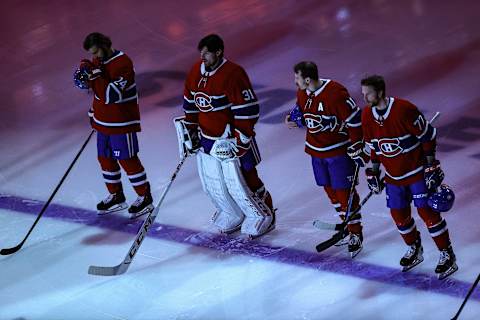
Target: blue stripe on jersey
pixel 205 103
pixel 406 143
pixel 429 135
pixel 247 111
pixel 219 103
pixel 117 93
pixel 189 107
pixel 356 120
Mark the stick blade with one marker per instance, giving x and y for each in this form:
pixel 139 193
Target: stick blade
pixel 108 271
pixel 7 251
pixel 330 242
pixel 319 224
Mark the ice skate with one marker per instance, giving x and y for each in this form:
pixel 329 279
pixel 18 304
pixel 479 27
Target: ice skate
pixel 114 202
pixel 141 206
pixel 413 256
pixel 267 230
pixel 355 244
pixel 446 264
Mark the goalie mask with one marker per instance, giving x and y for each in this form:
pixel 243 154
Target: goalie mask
pixel 80 78
pixel 443 199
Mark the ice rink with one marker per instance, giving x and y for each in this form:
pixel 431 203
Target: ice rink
pixel 428 52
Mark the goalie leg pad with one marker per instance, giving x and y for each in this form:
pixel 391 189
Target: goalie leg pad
pixel 228 216
pixel 259 217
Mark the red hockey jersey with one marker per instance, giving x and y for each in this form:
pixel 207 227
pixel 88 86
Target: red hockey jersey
pixel 216 98
pixel 332 118
pixel 115 103
pixel 400 140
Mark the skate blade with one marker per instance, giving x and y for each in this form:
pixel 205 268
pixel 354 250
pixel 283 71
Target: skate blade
pixel 415 263
pixel 145 210
pixel 445 274
pixel 118 207
pixel 252 237
pixel 231 231
pixel 355 253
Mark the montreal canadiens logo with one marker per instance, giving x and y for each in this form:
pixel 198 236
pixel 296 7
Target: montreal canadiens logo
pixel 313 122
pixel 390 147
pixel 203 102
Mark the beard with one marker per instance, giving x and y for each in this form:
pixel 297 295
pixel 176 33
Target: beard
pixel 375 101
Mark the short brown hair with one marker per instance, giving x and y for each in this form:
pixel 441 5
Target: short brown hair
pixel 97 39
pixel 308 69
pixel 213 42
pixel 376 82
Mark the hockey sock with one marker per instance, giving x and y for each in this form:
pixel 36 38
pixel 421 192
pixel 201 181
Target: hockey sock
pixel 354 225
pixel 111 174
pixel 405 224
pixel 136 175
pixel 333 199
pixel 437 227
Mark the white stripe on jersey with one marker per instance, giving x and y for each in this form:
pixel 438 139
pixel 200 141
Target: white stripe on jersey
pixel 406 175
pixel 327 148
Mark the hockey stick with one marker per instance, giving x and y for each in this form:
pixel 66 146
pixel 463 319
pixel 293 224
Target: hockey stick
pixel 11 250
pixel 341 227
pixel 341 234
pixel 142 232
pixel 319 224
pixel 466 298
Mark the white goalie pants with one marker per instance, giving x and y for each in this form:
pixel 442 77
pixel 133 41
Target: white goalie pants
pixel 236 204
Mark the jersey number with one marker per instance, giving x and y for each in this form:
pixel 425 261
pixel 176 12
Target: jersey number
pixel 420 122
pixel 248 95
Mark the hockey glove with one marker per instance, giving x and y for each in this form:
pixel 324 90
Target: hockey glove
pixel 433 175
pixel 373 180
pixel 93 69
pixel 357 152
pixel 194 144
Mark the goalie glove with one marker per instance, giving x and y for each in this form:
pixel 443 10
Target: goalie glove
pixel 188 137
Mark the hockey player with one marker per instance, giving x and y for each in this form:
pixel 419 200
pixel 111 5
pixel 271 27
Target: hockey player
pixel 116 118
pixel 221 110
pixel 404 143
pixel 333 140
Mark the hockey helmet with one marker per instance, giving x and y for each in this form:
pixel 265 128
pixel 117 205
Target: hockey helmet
pixel 80 79
pixel 296 116
pixel 442 200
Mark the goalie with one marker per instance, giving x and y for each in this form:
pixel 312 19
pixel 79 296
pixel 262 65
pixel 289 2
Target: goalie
pixel 221 110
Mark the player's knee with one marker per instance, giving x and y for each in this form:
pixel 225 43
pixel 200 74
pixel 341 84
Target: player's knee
pixel 429 216
pixel 108 164
pixel 402 217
